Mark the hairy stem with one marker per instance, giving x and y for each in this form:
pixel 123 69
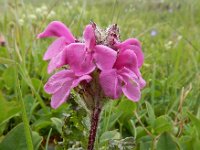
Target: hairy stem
pixel 94 125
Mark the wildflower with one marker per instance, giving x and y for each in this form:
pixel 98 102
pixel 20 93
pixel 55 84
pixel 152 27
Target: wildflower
pixel 21 22
pixel 86 56
pixel 103 66
pixel 42 11
pixel 51 14
pixel 38 11
pixel 60 85
pixel 153 32
pixel 44 8
pixel 168 45
pixel 55 50
pixel 119 72
pixel 179 37
pixel 32 17
pixel 123 77
pixel 134 45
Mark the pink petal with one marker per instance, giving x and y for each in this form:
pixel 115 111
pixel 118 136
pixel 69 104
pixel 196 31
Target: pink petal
pixel 57 29
pixel 80 60
pixel 60 85
pixel 142 82
pixel 138 52
pixel 134 45
pixel 110 84
pixel 53 87
pixel 57 62
pixel 131 41
pixel 55 48
pixel 128 59
pixel 61 95
pixel 139 79
pixel 78 80
pixel 56 81
pixel 127 74
pixel 105 57
pixel 89 36
pixel 131 90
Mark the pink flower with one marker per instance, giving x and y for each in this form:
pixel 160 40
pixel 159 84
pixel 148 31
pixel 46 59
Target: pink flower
pixel 55 50
pixel 84 57
pixel 132 44
pixel 60 85
pixel 123 77
pixel 118 69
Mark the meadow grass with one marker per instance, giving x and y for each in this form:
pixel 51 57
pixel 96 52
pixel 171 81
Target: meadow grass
pixel 169 108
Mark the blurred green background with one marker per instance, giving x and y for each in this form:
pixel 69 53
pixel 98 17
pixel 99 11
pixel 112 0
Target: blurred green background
pixel 167 116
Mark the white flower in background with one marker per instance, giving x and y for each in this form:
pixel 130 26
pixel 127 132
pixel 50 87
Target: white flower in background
pixel 42 11
pixel 44 8
pixel 168 45
pixel 32 17
pixel 179 37
pixel 69 5
pixel 38 11
pixel 51 14
pixel 21 22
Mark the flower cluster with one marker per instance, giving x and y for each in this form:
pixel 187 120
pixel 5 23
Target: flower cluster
pixel 99 55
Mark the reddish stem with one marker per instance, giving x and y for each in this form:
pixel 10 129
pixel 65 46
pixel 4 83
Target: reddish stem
pixel 94 125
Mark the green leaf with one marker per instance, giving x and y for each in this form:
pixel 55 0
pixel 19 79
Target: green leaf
pixel 29 104
pixel 41 123
pixel 146 142
pixel 195 121
pixel 24 87
pixel 150 112
pixel 111 117
pixel 37 139
pixel 110 135
pixel 186 142
pixel 140 132
pixel 16 140
pixel 166 142
pixel 126 107
pixel 58 123
pixel 162 124
pixel 37 83
pixel 7 109
pixel 9 81
pixel 7 61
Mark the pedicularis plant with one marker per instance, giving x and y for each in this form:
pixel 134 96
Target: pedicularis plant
pixel 98 67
